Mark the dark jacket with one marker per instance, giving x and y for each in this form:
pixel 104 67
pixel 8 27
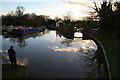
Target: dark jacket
pixel 11 53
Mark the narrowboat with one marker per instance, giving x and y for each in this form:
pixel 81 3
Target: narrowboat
pixel 25 31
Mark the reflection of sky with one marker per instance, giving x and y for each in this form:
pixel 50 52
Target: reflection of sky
pixel 22 62
pixel 77 46
pixel 52 37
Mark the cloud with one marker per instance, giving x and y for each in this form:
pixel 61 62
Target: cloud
pixel 30 0
pixel 52 8
pixel 76 3
pixel 23 0
pixel 68 49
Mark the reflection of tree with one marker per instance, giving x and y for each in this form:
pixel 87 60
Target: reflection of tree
pixel 13 40
pixel 58 34
pixel 101 62
pixel 20 40
pixel 96 63
pixel 46 31
pixel 67 42
pixel 66 32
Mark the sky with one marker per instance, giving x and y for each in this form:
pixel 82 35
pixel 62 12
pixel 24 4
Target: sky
pixel 52 8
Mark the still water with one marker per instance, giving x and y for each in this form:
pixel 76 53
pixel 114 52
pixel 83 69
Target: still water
pixel 52 54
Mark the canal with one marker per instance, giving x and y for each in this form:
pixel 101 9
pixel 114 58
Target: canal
pixel 53 54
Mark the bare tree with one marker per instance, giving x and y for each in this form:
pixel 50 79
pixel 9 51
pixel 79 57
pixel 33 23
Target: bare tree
pixel 103 13
pixel 67 16
pixel 20 11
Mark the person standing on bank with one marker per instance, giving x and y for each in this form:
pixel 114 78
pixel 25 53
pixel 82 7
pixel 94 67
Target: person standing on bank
pixel 12 57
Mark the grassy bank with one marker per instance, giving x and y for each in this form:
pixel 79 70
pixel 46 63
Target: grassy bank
pixel 8 73
pixel 111 45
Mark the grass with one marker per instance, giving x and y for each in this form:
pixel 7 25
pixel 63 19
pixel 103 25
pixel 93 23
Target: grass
pixel 8 73
pixel 111 45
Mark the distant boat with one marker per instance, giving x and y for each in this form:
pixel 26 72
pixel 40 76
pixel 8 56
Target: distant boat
pixel 25 31
pixel 78 33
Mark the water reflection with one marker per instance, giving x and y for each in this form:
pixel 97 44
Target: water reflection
pixel 53 54
pixel 23 62
pixel 76 45
pixel 21 40
pixel 66 35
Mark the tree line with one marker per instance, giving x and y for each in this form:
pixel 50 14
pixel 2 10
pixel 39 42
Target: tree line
pixel 18 18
